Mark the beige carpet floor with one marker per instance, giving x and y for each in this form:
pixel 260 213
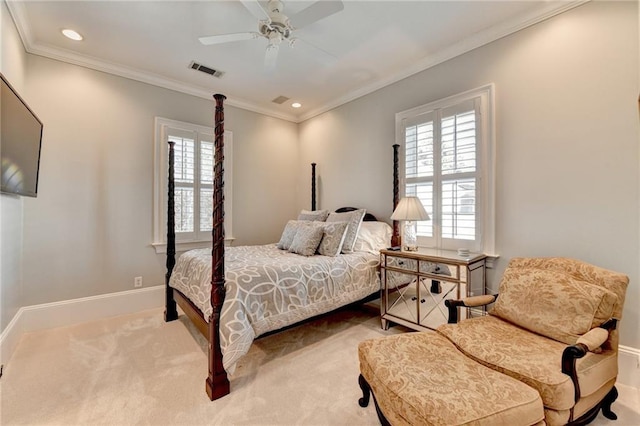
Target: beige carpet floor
pixel 137 369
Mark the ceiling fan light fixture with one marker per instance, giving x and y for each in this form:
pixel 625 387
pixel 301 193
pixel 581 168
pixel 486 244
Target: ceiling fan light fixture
pixel 275 38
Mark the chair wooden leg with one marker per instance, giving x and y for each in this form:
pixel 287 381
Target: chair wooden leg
pixel 606 404
pixel 366 391
pixel 366 396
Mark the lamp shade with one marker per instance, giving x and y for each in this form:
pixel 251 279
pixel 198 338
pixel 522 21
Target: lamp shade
pixel 410 208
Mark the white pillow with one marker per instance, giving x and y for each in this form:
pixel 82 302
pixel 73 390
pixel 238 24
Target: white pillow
pixel 354 218
pixel 373 237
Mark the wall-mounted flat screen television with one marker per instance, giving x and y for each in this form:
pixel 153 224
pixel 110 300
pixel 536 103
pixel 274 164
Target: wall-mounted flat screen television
pixel 20 142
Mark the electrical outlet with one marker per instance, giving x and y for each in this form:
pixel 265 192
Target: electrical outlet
pixel 137 282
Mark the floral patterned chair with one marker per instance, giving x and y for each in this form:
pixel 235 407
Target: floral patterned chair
pixel 553 328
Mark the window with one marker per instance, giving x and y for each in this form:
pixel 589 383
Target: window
pixel 193 176
pixel 448 154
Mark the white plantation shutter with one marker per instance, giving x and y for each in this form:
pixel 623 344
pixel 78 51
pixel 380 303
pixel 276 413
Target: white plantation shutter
pixel 184 172
pixel 194 159
pixel 419 160
pixel 459 148
pixel 458 209
pixel 193 170
pixel 443 151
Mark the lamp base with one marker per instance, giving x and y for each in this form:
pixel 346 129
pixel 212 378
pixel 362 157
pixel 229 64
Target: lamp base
pixel 410 236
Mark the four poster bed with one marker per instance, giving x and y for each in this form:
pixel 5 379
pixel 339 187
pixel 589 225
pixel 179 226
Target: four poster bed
pixel 264 288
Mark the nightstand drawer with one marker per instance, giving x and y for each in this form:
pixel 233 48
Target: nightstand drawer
pixel 401 263
pixel 447 271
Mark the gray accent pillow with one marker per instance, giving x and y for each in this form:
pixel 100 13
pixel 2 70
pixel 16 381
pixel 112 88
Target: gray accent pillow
pixel 333 238
pixel 354 219
pixel 290 230
pixel 307 240
pixel 318 215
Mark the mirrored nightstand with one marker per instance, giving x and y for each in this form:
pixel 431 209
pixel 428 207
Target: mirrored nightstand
pixel 415 285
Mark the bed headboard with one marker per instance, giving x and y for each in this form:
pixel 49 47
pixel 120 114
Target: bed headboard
pixel 368 217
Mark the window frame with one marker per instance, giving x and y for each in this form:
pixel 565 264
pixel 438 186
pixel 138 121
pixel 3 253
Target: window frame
pixel 198 239
pixel 485 169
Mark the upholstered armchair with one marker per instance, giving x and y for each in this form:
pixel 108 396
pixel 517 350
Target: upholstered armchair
pixel 553 326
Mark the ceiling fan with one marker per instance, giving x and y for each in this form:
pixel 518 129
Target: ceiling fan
pixel 275 26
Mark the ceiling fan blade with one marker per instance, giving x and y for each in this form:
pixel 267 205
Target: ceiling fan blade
pixel 256 9
pixel 317 11
pixel 226 38
pixel 271 57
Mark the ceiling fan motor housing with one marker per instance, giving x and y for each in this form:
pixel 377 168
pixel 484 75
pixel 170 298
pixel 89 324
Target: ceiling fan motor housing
pixel 278 27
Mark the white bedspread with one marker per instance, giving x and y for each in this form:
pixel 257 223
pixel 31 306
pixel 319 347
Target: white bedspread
pixel 268 289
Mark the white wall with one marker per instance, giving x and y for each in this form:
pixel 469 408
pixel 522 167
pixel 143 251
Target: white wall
pixel 89 231
pixel 12 66
pixel 265 157
pixel 568 169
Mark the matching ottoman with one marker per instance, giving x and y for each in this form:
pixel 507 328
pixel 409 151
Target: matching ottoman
pixel 421 378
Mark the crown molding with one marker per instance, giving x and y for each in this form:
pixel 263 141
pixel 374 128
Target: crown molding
pixel 480 39
pixel 147 77
pixel 16 10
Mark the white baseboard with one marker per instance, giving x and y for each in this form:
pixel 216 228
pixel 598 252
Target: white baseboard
pixel 10 338
pixel 629 366
pixel 76 311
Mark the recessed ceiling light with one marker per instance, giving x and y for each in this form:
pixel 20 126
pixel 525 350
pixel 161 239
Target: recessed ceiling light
pixel 296 104
pixel 73 35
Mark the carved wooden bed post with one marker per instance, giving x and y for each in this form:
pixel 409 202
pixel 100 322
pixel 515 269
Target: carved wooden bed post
pixel 395 238
pixel 313 186
pixel 170 312
pixel 217 383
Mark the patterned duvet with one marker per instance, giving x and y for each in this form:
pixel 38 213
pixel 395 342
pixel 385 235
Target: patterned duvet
pixel 268 289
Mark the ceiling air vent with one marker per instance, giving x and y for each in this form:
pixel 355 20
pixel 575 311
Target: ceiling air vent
pixel 205 69
pixel 280 100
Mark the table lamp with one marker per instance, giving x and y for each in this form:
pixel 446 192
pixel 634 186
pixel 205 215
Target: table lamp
pixel 409 210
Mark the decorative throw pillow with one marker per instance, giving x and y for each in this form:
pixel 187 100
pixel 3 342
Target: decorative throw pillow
pixel 317 215
pixel 552 303
pixel 333 238
pixel 290 230
pixel 373 237
pixel 354 219
pixel 307 240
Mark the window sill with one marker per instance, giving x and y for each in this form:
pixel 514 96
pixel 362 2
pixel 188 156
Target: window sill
pixel 491 260
pixel 161 248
